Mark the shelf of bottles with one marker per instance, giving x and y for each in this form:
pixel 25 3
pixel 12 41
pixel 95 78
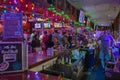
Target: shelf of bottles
pixel 67 63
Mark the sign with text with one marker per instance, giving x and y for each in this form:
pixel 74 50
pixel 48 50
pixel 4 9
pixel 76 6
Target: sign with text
pixel 12 25
pixel 10 57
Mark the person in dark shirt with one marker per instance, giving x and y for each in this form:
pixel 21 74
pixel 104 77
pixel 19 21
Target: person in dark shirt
pixel 49 45
pixel 70 40
pixel 35 43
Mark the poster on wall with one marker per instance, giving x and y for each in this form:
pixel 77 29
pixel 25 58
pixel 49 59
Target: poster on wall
pixel 12 25
pixel 10 57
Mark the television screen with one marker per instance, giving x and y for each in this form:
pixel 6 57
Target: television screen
pixel 81 16
pixel 37 25
pixel 58 25
pixel 47 25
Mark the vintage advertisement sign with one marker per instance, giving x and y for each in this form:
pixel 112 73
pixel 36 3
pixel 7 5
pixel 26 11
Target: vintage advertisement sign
pixel 10 57
pixel 12 26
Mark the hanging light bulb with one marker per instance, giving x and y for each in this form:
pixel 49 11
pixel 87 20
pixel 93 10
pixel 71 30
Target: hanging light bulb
pixel 10 2
pixel 32 8
pixel 26 5
pixel 21 0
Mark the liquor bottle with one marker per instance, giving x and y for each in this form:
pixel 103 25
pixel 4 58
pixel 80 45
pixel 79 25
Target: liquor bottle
pixel 67 60
pixel 70 61
pixel 59 60
pixel 62 62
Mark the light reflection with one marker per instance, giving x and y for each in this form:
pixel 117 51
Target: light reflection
pixel 37 76
pixel 36 73
pixel 28 76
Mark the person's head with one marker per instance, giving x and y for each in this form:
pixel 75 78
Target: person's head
pixel 45 32
pixel 104 31
pixel 64 33
pixel 56 31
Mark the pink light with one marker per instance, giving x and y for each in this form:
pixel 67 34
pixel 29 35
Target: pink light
pixel 84 21
pixel 15 1
pixel 16 9
pixel 21 0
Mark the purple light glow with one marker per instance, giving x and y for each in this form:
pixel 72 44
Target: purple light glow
pixel 15 1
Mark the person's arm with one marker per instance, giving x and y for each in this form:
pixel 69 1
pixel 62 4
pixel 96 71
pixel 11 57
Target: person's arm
pixel 98 39
pixel 113 41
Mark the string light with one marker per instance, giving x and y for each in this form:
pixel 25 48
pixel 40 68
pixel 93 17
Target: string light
pixel 53 15
pixel 10 2
pixel 16 9
pixel 1 6
pixel 15 1
pixel 26 5
pixel 21 0
pixel 32 8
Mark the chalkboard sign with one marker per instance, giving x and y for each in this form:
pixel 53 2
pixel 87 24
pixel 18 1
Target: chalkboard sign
pixel 12 26
pixel 11 57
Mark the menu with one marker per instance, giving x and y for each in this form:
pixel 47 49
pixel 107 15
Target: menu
pixel 12 25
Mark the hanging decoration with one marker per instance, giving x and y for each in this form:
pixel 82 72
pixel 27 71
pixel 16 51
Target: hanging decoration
pixel 30 9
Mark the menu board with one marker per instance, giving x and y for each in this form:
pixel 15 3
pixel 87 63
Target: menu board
pixel 12 25
pixel 11 57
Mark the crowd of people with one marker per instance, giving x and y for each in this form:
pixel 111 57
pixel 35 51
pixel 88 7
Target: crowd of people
pixel 102 41
pixel 49 41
